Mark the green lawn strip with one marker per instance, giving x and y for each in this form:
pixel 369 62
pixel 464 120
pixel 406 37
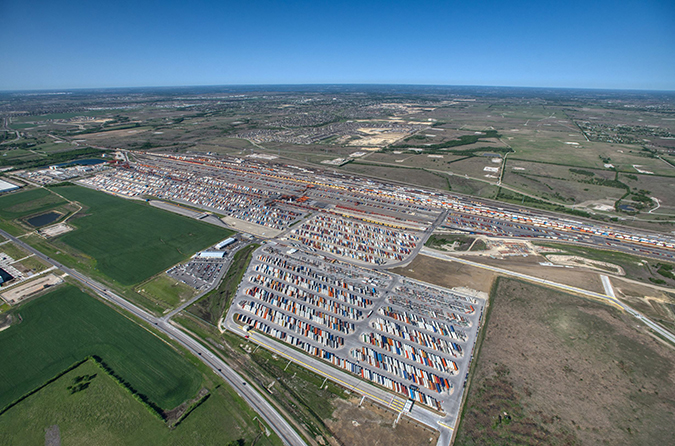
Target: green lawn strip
pixel 100 412
pixel 133 241
pixel 165 289
pixel 216 303
pixel 67 325
pixel 11 228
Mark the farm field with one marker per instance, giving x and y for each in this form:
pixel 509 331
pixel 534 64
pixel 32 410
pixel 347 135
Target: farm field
pixel 40 153
pixel 106 414
pixel 130 241
pixel 24 203
pixel 66 325
pixel 13 251
pixel 562 370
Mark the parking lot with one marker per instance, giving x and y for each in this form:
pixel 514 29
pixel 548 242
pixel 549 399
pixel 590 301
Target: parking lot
pixel 203 270
pixel 408 337
pixel 198 273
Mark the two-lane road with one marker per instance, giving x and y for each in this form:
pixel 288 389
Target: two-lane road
pixel 278 424
pixel 612 300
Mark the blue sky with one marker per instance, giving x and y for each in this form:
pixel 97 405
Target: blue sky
pixel 589 44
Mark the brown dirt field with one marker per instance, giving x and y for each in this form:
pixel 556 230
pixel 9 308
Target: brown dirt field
pixel 371 425
pixel 557 369
pixel 578 276
pixel 447 274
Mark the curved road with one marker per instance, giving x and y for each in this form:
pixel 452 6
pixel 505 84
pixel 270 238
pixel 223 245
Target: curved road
pixel 603 297
pixel 278 424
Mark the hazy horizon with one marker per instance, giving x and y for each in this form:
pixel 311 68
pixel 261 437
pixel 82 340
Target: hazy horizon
pixel 334 84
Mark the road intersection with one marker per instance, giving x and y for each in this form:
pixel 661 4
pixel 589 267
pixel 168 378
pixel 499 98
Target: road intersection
pixel 568 288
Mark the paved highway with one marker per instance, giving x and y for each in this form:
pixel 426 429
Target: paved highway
pixel 603 297
pixel 278 424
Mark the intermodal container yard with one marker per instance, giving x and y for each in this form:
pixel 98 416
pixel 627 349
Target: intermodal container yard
pixel 418 337
pixel 276 196
pixel 355 240
pixel 412 339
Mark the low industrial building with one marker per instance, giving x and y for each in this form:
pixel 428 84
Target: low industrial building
pixel 226 242
pixel 211 254
pixel 6 186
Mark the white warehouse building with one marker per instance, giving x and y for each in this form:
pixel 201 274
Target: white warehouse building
pixel 211 254
pixel 6 186
pixel 226 242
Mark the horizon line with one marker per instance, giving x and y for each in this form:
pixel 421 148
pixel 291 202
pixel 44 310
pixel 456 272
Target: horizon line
pixel 68 89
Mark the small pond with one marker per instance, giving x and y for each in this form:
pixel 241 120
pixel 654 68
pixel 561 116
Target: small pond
pixel 43 219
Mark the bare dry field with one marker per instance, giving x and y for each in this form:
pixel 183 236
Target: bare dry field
pixel 378 140
pixel 472 187
pixel 577 276
pixel 371 425
pixel 559 370
pixel 22 292
pixel 586 263
pixel 447 274
pixel 409 158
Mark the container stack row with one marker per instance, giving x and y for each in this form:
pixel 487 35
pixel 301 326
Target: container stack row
pixel 293 324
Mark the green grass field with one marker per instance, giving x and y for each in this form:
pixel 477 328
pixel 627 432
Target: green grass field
pixel 166 289
pixel 28 202
pixel 66 325
pixel 13 251
pixel 106 414
pixel 131 241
